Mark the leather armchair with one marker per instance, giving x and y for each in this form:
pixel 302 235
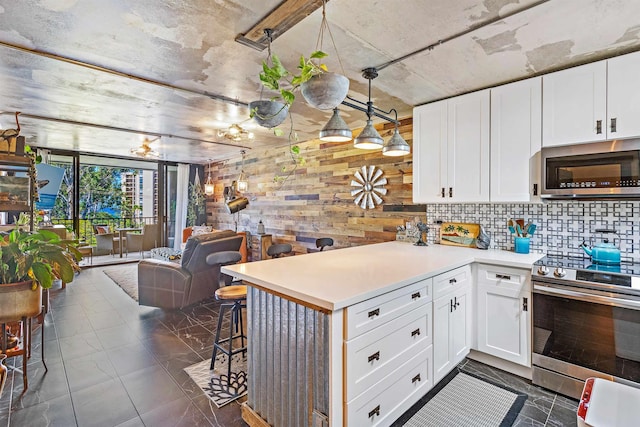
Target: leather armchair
pixel 173 285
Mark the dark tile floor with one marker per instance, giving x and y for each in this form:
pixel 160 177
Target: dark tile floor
pixel 114 363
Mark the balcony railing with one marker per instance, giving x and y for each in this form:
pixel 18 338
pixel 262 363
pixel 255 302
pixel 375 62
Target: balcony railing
pixel 86 228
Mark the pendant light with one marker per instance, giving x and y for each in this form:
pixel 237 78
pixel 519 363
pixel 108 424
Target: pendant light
pixel 241 183
pixel 396 145
pixel 336 129
pixel 208 185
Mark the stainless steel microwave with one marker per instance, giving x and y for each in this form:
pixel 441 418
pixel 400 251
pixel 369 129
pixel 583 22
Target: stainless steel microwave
pixel 599 169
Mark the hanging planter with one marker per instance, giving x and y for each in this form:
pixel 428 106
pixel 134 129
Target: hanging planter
pixel 269 113
pixel 325 91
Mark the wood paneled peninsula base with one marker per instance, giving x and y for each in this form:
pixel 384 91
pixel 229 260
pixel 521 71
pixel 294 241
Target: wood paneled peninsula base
pixel 345 337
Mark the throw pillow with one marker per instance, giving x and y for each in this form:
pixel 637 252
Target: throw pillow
pixel 102 229
pixel 197 230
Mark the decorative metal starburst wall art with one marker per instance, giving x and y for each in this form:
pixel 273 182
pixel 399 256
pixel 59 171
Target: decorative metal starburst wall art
pixel 370 183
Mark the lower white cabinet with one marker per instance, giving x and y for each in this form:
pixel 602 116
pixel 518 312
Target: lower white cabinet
pixel 452 327
pixel 388 354
pixel 504 313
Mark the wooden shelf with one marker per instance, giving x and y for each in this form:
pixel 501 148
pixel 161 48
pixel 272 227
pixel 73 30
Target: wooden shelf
pixel 16 207
pixel 12 159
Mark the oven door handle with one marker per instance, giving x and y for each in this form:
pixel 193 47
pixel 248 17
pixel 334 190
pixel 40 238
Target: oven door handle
pixel 583 296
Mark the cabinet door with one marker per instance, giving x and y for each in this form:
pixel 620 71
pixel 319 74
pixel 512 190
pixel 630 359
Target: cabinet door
pixel 468 148
pixel 574 105
pixel 460 325
pixel 442 357
pixel 516 137
pixel 429 152
pixel 504 320
pixel 623 108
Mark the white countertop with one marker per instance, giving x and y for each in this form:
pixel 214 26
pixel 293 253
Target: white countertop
pixel 338 278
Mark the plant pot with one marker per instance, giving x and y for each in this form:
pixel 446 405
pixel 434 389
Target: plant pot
pixel 18 300
pixel 325 91
pixel 269 114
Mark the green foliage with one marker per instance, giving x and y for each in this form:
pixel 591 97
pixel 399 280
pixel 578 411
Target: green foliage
pixel 277 78
pixel 41 256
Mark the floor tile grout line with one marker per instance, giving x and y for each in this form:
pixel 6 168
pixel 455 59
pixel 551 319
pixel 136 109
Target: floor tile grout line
pixel 551 409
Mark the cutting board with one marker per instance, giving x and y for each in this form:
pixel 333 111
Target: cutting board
pixel 459 234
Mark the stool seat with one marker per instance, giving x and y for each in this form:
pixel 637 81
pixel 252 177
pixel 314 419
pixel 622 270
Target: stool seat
pixel 233 292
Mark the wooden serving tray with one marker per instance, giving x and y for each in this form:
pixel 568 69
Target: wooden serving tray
pixel 459 234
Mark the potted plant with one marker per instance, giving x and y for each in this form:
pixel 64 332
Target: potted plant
pixel 30 261
pixel 320 88
pixel 272 112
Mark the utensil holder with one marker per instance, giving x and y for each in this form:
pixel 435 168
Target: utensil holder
pixel 522 245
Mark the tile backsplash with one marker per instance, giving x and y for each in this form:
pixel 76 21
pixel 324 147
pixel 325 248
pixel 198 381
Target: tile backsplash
pixel 562 225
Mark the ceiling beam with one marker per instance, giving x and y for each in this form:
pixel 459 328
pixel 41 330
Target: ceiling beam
pixel 279 20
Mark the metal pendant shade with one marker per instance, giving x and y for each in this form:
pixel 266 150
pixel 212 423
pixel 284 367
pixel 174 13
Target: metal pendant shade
pixel 396 145
pixel 369 138
pixel 336 129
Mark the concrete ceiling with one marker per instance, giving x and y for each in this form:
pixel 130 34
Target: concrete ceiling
pixel 173 45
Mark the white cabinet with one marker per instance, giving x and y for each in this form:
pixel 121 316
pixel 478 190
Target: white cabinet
pixel 623 96
pixel 516 138
pixel 593 102
pixel 504 313
pixel 574 105
pixel 452 312
pixel 451 145
pixel 388 354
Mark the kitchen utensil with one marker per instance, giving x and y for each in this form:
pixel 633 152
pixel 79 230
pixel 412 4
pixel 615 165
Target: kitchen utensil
pixel 519 230
pixel 531 229
pixel 511 226
pixel 604 252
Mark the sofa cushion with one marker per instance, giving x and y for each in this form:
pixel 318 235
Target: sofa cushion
pixel 102 229
pixel 197 230
pixel 193 241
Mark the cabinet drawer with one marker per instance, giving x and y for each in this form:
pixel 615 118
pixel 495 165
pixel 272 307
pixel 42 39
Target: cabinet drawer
pixel 369 314
pixel 374 355
pixel 451 281
pixel 503 277
pixel 383 403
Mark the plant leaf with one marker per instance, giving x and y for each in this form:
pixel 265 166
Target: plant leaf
pixel 324 67
pixel 295 149
pixel 318 54
pixel 278 132
pixel 287 96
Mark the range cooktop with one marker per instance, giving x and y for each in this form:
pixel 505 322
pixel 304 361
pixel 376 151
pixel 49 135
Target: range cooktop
pixel 575 263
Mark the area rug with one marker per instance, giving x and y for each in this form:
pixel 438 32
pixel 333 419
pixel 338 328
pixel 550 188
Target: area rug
pixel 462 399
pixel 126 277
pixel 215 384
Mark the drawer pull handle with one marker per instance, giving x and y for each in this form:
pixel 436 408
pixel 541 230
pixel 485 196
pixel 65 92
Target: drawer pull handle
pixel 416 332
pixel 415 296
pixel 503 276
pixel 374 356
pixel 598 127
pixel 416 378
pixel 375 411
pixel 452 281
pixel 374 313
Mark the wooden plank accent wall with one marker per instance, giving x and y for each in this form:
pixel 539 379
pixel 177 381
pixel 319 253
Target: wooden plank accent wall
pixel 316 200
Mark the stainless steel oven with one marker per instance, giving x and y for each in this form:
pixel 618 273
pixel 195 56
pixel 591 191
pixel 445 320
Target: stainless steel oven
pixel 586 323
pixel 601 169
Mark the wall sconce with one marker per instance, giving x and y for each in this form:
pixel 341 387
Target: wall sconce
pixel 208 185
pixel 241 183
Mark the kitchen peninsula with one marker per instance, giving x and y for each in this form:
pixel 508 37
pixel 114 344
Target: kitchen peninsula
pixel 344 337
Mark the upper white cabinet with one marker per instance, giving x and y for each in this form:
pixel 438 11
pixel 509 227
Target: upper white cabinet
pixel 593 102
pixel 451 150
pixel 623 96
pixel 516 138
pixel 574 105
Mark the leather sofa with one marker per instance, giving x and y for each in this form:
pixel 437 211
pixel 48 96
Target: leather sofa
pixel 174 285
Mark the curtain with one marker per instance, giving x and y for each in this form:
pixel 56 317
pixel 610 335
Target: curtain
pixel 182 202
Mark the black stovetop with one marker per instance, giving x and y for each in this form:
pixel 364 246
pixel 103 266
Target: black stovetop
pixel 575 263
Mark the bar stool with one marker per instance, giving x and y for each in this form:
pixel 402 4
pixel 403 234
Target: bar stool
pixel 279 249
pixel 237 297
pixel 323 242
